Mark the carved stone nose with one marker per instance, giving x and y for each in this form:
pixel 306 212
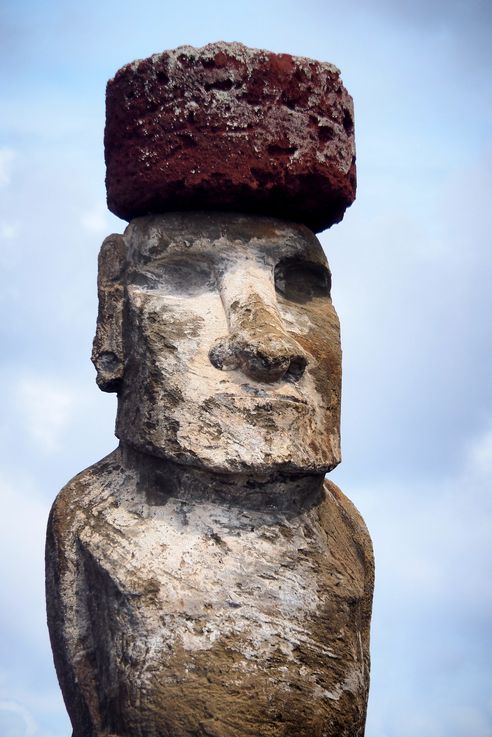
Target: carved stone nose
pixel 257 343
pixel 268 358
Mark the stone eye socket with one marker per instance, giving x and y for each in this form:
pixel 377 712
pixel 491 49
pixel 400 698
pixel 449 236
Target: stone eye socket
pixel 301 281
pixel 184 277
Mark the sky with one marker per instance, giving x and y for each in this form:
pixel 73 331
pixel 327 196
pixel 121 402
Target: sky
pixel 411 265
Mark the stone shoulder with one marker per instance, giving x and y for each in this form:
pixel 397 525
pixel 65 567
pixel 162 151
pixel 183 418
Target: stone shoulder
pixel 353 518
pixel 79 498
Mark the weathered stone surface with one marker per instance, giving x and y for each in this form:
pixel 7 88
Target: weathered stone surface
pixel 203 580
pixel 248 296
pixel 186 605
pixel 226 127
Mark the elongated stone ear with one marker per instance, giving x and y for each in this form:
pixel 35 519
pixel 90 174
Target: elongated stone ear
pixel 107 349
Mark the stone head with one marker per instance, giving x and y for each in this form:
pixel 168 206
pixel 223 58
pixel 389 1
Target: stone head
pixel 218 333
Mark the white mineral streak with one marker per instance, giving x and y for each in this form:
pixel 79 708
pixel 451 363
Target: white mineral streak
pixel 203 564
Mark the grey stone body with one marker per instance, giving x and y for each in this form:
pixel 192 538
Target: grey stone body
pixel 203 580
pixel 225 613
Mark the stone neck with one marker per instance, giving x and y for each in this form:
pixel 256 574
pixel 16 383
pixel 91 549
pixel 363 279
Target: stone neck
pixel 162 479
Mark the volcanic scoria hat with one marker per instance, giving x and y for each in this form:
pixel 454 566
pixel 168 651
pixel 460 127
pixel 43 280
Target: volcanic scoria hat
pixel 226 127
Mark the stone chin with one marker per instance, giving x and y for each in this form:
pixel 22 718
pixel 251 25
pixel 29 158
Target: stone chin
pixel 235 435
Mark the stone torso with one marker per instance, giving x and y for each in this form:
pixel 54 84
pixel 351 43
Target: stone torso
pixel 211 618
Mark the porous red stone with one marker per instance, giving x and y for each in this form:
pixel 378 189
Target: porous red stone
pixel 226 127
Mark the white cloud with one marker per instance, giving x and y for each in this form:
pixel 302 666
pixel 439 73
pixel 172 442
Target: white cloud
pixel 23 515
pixel 46 408
pixel 9 231
pixel 7 156
pixel 9 294
pixel 480 454
pixel 30 706
pixel 469 721
pixel 23 725
pixel 95 220
pixel 433 536
pixel 432 602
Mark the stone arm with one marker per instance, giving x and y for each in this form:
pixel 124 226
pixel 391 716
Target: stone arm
pixel 359 534
pixel 68 620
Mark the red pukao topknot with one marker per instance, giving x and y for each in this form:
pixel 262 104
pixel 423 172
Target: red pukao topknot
pixel 226 127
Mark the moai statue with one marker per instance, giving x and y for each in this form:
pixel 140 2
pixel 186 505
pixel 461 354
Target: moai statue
pixel 204 580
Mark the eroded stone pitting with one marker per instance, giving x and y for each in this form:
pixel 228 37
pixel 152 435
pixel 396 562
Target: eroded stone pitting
pixel 227 127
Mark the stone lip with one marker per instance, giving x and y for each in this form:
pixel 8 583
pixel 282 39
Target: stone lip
pixel 226 127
